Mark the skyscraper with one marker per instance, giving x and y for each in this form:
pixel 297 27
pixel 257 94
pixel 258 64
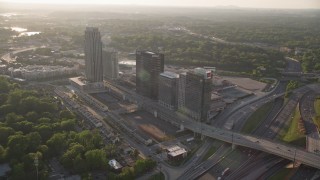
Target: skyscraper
pixel 93 55
pixel 149 65
pixel 181 91
pixel 168 90
pixel 110 64
pixel 198 93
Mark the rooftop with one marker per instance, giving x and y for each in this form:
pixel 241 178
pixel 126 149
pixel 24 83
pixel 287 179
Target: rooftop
pixel 173 148
pixel 78 81
pixel 170 75
pixel 149 52
pixel 177 152
pixel 115 164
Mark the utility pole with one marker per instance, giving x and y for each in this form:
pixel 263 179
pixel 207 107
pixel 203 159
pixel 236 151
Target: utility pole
pixel 232 145
pixel 36 163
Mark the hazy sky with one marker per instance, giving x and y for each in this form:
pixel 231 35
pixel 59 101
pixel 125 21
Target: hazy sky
pixel 296 4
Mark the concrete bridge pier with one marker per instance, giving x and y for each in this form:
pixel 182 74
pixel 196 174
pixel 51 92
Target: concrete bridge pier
pixel 181 127
pixel 233 146
pixel 155 113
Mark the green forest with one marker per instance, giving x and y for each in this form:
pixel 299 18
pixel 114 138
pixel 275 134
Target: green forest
pixel 33 124
pixel 188 50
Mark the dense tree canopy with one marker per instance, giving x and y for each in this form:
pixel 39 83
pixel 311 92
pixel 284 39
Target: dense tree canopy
pixel 49 131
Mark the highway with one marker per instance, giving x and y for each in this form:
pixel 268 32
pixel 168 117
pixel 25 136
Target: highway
pixel 238 118
pixel 203 167
pixel 8 58
pixel 268 146
pixel 275 119
pixel 307 112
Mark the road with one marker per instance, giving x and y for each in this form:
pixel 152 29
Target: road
pixel 197 170
pixel 276 148
pixel 307 112
pixel 272 124
pixel 8 58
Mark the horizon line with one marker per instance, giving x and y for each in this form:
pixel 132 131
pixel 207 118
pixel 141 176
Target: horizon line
pixel 150 5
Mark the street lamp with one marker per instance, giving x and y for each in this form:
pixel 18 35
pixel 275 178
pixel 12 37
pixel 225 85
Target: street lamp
pixel 36 163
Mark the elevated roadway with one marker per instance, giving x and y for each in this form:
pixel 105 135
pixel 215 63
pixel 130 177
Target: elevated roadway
pixel 268 146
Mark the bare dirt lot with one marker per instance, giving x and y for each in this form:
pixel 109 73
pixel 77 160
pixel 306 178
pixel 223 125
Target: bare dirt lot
pixel 246 83
pixel 147 124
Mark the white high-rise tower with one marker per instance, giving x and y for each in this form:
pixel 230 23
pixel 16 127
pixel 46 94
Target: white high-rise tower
pixel 93 55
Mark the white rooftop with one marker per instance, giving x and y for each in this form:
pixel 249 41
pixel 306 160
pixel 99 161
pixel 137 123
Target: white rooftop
pixel 169 74
pixel 115 164
pixel 177 152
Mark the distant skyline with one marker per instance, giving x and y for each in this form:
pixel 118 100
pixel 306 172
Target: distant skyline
pixel 285 4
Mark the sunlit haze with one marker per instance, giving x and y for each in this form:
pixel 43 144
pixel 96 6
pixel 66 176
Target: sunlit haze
pixel 290 4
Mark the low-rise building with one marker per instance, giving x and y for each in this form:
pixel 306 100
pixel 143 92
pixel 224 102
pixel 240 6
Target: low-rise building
pixel 175 153
pixel 115 165
pixel 35 72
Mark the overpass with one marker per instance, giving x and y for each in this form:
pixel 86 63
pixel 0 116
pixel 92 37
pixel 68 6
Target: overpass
pixel 279 149
pixel 283 150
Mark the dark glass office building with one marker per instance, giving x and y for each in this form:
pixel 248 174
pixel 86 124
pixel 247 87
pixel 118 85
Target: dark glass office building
pixel 168 90
pixel 198 93
pixel 149 65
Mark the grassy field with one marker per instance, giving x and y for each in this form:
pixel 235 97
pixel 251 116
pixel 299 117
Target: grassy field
pixel 292 134
pixel 317 109
pixel 317 106
pixel 282 174
pixel 258 116
pixel 210 152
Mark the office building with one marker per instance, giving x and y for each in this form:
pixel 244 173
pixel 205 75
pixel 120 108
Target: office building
pixel 198 93
pixel 181 91
pixel 149 65
pixel 168 90
pixel 110 64
pixel 93 55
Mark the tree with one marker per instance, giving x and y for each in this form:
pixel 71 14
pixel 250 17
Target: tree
pixel 127 174
pixel 6 109
pixel 12 118
pixel 24 126
pixel 68 157
pixel 43 149
pixel 90 140
pixel 5 132
pixel 34 141
pixel 45 131
pixel 68 124
pixel 3 98
pixel 4 85
pixel 32 116
pixel 110 149
pixel 96 159
pixel 66 114
pixel 30 103
pixel 79 164
pixel 28 160
pixel 17 145
pixel 143 165
pixel 2 154
pixel 57 143
pixel 18 172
